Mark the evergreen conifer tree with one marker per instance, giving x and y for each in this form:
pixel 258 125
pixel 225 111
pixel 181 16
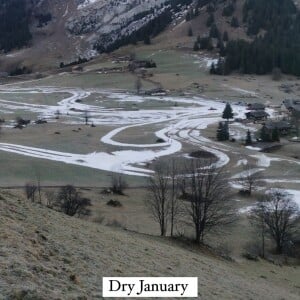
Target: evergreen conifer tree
pixel 212 69
pixel 196 46
pixel 227 113
pixel 226 131
pixel 220 132
pixel 248 138
pixel 275 135
pixel 234 22
pixel 225 36
pixel 210 20
pixel 223 132
pixel 265 137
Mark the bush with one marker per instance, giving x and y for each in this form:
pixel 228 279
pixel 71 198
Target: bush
pixel 244 192
pixel 252 251
pixel 160 140
pixel 21 123
pixel 71 203
pixel 114 203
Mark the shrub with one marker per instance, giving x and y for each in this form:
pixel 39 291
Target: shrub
pixel 114 203
pixel 71 203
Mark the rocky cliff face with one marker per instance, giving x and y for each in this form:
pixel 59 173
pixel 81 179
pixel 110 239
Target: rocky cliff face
pixel 104 17
pixel 106 22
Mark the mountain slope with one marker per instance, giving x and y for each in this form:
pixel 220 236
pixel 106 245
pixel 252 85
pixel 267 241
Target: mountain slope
pixel 64 30
pixel 47 255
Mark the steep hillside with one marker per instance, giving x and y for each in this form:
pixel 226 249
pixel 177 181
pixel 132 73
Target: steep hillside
pixel 249 36
pixel 61 31
pixel 46 255
pixel 261 36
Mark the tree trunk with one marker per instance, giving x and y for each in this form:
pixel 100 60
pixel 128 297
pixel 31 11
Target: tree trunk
pixel 198 235
pixel 172 225
pixel 263 242
pixel 162 228
pixel 278 247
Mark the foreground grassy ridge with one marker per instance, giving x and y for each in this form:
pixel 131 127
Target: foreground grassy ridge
pixel 47 255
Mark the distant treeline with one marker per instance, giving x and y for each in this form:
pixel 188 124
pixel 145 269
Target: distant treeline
pixel 20 71
pixel 79 61
pixel 279 47
pixel 274 28
pixel 14 25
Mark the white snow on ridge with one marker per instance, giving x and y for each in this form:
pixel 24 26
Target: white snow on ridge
pixel 87 3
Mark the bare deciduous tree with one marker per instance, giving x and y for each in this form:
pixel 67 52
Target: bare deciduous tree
pixel 175 209
pixel 38 184
pixel 279 215
pixel 159 202
pixel 257 218
pixel 138 85
pixel 57 114
pixel 86 118
pixel 50 198
pixel 30 190
pixel 208 196
pixel 164 203
pixel 71 203
pixel 249 178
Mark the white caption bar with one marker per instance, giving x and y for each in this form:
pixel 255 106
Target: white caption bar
pixel 129 287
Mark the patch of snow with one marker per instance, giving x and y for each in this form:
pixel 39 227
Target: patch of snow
pixel 273 180
pixel 253 148
pixel 264 160
pixel 246 210
pixel 242 91
pixel 242 162
pixel 236 186
pixel 205 61
pixel 87 3
pixel 66 11
pixel 181 125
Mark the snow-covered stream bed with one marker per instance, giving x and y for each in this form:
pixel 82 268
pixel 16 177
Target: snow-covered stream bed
pixel 177 124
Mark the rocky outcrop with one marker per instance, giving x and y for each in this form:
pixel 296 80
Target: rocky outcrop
pixel 105 22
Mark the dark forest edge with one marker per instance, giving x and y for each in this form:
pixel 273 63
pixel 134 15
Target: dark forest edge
pixel 274 29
